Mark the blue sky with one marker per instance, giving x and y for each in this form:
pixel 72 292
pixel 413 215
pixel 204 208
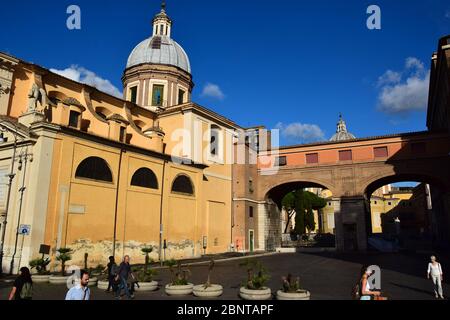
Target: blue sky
pixel 289 64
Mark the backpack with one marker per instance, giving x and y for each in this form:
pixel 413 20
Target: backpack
pixel 27 291
pixel 114 270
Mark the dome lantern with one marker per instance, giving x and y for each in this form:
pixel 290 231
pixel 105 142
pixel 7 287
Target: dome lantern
pixel 341 132
pixel 162 24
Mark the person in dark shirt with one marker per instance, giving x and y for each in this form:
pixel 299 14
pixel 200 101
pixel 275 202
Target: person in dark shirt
pixel 23 286
pixel 122 276
pixel 112 273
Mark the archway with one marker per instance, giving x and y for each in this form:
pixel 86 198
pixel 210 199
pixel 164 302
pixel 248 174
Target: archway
pixel 320 227
pixel 406 211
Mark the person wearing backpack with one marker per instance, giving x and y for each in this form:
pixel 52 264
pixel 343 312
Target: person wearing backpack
pixel 23 286
pixel 112 270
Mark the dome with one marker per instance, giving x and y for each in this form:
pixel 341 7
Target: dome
pixel 341 133
pixel 342 136
pixel 159 50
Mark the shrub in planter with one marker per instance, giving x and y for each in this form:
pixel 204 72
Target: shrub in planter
pixel 208 290
pixel 179 284
pixel 292 290
pixel 40 264
pixel 254 288
pixel 97 271
pixel 144 276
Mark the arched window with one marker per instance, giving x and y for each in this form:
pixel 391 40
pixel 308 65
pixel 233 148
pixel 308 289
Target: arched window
pixel 145 178
pixel 94 168
pixel 183 184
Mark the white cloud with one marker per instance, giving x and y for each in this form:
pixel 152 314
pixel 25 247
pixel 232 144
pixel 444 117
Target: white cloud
pixel 402 92
pixel 213 91
pixel 301 131
pixel 447 14
pixel 389 77
pixel 80 74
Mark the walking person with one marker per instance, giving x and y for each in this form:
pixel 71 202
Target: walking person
pixel 122 277
pixel 23 286
pixel 112 273
pixel 81 291
pixel 435 273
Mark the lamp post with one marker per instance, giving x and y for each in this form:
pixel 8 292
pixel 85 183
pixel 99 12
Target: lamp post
pixel 24 158
pixel 11 176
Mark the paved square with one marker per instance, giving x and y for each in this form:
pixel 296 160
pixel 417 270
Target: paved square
pixel 329 276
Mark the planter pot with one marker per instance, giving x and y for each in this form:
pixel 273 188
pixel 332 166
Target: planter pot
pixel 102 284
pixel 40 278
pixel 93 282
pixel 179 290
pixel 147 286
pixel 58 279
pixel 213 291
pixel 299 295
pixel 262 294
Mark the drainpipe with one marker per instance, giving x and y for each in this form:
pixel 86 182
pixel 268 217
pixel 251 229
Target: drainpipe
pixel 117 204
pixel 161 214
pixel 21 190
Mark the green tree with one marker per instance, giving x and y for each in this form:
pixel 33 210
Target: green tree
pixel 65 254
pixel 288 204
pixel 305 203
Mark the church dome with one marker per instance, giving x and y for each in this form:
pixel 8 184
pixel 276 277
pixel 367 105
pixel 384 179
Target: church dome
pixel 341 133
pixel 159 49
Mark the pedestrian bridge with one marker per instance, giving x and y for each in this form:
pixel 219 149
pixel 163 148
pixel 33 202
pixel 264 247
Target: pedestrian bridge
pixel 352 170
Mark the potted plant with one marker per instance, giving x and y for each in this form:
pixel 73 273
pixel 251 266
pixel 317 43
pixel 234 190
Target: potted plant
pixel 179 285
pixel 40 264
pixel 95 275
pixel 254 288
pixel 292 290
pixel 145 276
pixel 65 254
pixel 208 290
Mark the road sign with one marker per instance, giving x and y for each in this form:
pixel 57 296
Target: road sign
pixel 25 229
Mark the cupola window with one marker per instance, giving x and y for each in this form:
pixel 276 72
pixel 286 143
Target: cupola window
pixel 181 94
pixel 158 94
pixel 133 94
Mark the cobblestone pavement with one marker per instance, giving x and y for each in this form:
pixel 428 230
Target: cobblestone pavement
pixel 329 276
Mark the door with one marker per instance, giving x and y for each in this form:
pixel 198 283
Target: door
pixel 350 237
pixel 251 240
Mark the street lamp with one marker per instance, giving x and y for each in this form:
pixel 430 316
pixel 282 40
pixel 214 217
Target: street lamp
pixel 11 176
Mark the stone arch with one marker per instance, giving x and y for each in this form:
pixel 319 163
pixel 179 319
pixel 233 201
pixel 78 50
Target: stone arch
pixel 381 179
pixel 276 191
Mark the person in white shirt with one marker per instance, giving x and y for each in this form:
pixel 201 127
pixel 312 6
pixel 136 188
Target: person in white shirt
pixel 435 273
pixel 81 291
